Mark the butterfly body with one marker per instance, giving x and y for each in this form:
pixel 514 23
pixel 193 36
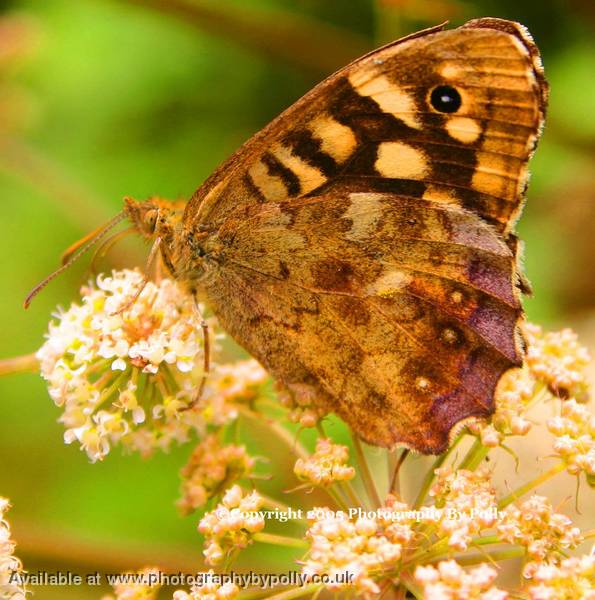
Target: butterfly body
pixel 361 246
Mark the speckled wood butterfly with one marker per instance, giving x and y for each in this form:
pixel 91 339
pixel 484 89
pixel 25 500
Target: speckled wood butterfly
pixel 361 245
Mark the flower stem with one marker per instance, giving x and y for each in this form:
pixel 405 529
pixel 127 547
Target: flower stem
pixel 273 503
pixel 558 468
pixel 19 364
pixel 431 474
pixel 409 582
pixel 279 540
pixel 350 492
pixel 474 456
pixel 334 494
pixel 283 434
pixel 496 555
pixel 365 472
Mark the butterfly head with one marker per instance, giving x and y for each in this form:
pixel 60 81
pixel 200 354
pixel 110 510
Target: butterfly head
pixel 153 218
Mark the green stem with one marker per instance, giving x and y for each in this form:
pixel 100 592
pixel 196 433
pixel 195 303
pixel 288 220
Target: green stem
pixel 409 582
pixel 365 473
pixel 431 474
pixel 334 494
pixel 279 540
pixel 273 503
pixel 474 456
pixel 350 492
pixel 496 555
pixel 558 468
pixel 440 548
pixel 113 386
pixel 283 434
pixel 27 363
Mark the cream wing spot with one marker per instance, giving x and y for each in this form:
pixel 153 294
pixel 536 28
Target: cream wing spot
pixel 399 160
pixel 310 177
pixel 336 140
pixel 270 186
pixel 423 384
pixel 450 71
pixel 436 193
pixel 364 211
pixel 457 297
pixel 463 129
pixel 389 98
pixel 449 336
pixel 388 284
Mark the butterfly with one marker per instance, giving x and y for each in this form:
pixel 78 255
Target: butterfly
pixel 361 246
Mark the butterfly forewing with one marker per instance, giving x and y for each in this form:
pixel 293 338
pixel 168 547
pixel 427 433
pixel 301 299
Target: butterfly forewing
pixel 360 246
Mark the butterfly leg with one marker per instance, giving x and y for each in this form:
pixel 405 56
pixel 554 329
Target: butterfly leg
pixel 206 358
pixel 150 261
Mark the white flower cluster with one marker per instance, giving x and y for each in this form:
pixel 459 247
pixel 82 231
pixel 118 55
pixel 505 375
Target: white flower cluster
pixel 125 368
pixel 231 525
pixel 210 590
pixel 573 578
pixel 535 525
pixel 142 585
pixel 470 498
pixel 211 469
pixel 575 437
pixel 354 551
pixel 559 360
pixel 9 565
pixel 449 581
pixel 327 465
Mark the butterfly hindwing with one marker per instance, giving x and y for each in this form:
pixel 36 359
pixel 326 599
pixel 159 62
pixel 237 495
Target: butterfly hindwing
pixel 390 316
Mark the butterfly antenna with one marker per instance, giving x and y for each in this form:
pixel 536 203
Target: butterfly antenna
pixel 141 287
pixel 74 253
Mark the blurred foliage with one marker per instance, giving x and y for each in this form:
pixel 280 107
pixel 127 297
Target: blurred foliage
pixel 105 98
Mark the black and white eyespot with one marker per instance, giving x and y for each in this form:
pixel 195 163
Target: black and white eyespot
pixel 445 99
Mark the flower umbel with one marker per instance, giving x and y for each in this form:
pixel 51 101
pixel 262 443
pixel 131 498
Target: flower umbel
pixel 209 590
pixel 123 376
pixel 449 581
pixel 326 465
pixel 559 360
pixel 470 497
pixel 353 552
pixel 137 586
pixel 536 526
pixel 515 391
pixel 127 376
pixel 231 525
pixel 9 565
pixel 212 468
pixel 574 430
pixel 572 579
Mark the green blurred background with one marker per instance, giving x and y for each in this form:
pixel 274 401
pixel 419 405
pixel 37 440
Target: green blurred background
pixel 105 98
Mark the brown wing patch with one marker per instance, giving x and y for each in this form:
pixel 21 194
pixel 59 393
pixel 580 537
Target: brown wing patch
pixel 409 324
pixel 372 126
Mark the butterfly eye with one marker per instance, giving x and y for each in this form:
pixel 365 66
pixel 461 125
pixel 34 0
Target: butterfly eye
pixel 445 99
pixel 150 218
